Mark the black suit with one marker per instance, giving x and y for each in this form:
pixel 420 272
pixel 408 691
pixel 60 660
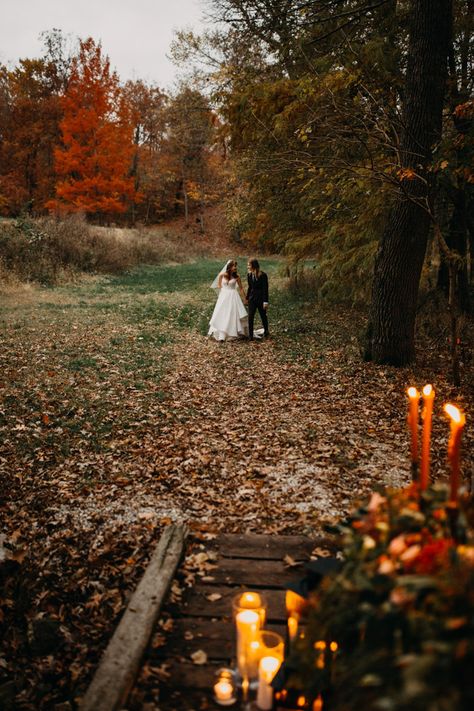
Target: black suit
pixel 257 295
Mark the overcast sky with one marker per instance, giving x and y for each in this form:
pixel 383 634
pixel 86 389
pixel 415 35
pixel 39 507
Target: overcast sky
pixel 136 34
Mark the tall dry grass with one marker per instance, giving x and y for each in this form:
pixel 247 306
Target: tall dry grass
pixel 50 251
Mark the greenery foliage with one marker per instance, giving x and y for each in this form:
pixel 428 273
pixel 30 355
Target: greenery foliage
pixel 401 609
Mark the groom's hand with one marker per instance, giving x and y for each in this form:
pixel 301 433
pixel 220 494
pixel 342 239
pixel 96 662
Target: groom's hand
pixel 265 307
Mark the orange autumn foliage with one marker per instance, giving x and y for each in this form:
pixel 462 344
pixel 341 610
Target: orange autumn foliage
pixel 93 164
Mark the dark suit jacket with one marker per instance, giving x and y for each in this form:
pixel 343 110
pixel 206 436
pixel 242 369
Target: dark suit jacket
pixel 258 288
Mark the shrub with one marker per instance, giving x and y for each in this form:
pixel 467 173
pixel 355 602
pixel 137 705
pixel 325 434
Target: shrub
pixel 49 251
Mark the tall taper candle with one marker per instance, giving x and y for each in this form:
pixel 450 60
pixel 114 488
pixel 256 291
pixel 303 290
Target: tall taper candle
pixel 458 420
pixel 414 397
pixel 428 397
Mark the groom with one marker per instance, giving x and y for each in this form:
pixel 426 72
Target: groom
pixel 257 295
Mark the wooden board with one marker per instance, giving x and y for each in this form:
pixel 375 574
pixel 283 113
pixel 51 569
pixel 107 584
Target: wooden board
pixel 217 637
pixel 255 574
pixel 198 604
pixel 260 547
pixel 121 660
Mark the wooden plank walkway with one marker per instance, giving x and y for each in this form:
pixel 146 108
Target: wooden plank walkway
pixel 199 621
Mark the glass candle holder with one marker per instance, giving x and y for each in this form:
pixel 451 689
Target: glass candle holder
pixel 271 645
pixel 250 600
pixel 249 610
pixel 225 693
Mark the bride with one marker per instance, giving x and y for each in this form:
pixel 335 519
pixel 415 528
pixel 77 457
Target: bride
pixel 229 319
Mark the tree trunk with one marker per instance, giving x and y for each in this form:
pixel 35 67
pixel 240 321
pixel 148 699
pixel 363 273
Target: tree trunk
pixel 403 244
pixel 457 240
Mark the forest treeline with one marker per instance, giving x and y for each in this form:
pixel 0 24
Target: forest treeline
pixel 75 139
pixel 341 129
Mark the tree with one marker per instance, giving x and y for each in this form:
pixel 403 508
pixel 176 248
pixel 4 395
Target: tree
pixel 190 130
pixel 30 113
pixel 148 105
pixel 403 244
pixel 93 164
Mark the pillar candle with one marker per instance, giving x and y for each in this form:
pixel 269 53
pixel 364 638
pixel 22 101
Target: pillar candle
pixel 267 669
pixel 248 625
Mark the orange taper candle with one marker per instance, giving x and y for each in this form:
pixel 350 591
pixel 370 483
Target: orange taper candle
pixel 457 420
pixel 428 397
pixel 414 397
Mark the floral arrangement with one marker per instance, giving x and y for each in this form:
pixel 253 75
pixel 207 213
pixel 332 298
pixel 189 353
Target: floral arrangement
pixel 394 628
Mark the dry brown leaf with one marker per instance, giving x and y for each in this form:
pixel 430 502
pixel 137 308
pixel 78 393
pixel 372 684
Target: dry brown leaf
pixel 199 657
pixel 291 562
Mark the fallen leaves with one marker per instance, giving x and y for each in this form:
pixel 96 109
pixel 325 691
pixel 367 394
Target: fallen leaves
pixel 107 438
pixel 199 657
pixel 213 597
pixel 290 562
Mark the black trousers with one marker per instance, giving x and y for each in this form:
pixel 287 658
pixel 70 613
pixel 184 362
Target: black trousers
pixel 253 307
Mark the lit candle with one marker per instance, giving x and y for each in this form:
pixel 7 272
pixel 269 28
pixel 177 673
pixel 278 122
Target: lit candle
pixel 320 647
pixel 295 606
pixel 318 704
pixel 253 657
pixel 267 669
pixel 428 397
pixel 224 688
pixel 295 603
pixel 414 397
pixel 293 626
pixel 250 600
pixel 248 625
pixel 224 692
pixel 458 420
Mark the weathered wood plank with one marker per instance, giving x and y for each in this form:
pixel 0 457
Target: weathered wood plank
pixel 121 659
pixel 216 637
pixel 196 602
pixel 267 573
pixel 264 547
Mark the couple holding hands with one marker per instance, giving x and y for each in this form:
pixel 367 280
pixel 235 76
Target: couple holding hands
pixel 230 318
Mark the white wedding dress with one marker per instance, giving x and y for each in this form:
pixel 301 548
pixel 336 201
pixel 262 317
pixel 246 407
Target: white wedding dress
pixel 229 319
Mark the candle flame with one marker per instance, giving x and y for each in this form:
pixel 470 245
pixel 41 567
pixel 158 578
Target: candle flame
pixel 270 665
pixel 321 644
pixel 248 617
pixel 318 704
pixel 427 390
pixel 412 392
pixel 301 701
pixel 334 646
pixel 295 602
pixel 250 600
pixel 454 413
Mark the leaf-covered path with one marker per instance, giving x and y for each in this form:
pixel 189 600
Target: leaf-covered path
pixel 268 445
pixel 119 415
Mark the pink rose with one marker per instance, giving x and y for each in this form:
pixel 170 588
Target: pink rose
pixel 397 545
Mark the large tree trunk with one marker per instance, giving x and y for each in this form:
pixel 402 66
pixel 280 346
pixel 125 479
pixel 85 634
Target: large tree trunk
pixel 403 244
